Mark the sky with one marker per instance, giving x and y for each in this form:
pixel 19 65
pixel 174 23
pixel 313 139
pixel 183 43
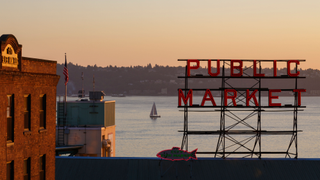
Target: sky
pixel 139 32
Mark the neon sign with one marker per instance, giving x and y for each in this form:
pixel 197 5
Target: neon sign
pixel 176 154
pixel 231 94
pixel 238 64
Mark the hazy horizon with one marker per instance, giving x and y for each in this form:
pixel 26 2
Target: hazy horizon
pixel 182 65
pixel 130 33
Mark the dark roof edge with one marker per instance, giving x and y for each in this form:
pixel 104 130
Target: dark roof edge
pixel 4 37
pixel 69 147
pixel 214 159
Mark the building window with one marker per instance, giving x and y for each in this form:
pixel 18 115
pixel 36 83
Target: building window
pixel 10 173
pixel 10 118
pixel 42 171
pixel 27 112
pixel 43 100
pixel 26 169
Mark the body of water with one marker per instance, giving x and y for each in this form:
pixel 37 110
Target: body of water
pixel 139 136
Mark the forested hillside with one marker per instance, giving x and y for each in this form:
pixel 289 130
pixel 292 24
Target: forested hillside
pixel 161 80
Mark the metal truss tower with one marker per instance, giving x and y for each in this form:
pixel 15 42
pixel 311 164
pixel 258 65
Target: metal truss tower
pixel 240 136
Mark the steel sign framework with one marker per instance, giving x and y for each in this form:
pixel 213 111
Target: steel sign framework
pixel 232 141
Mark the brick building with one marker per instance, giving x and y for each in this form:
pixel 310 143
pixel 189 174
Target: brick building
pixel 28 115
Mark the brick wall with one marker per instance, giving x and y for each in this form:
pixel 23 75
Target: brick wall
pixel 34 143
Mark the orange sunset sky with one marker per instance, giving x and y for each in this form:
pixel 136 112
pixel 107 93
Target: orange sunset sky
pixel 138 32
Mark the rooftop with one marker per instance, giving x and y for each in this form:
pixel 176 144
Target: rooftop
pixel 203 168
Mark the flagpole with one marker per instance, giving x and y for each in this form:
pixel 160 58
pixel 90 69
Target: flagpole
pixel 65 85
pixel 82 91
pixel 93 83
pixel 65 101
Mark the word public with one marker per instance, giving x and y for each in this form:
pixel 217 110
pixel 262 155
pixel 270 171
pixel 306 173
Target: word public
pixel 238 65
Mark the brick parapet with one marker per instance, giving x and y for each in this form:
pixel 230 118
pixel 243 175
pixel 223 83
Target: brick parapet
pixel 33 65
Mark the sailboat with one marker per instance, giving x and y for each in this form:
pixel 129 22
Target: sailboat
pixel 153 113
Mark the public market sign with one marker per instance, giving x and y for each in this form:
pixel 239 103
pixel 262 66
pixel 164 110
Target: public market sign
pixel 236 70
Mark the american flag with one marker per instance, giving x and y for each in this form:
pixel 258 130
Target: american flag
pixel 65 71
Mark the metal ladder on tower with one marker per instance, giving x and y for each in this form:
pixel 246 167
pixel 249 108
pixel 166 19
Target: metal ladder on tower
pixel 61 123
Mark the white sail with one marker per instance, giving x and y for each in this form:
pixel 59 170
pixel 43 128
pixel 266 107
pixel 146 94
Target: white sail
pixel 153 112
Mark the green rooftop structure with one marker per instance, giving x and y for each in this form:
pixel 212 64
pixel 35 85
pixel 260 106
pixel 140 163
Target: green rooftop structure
pixel 87 112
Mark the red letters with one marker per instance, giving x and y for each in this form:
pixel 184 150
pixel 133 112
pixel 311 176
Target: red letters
pixel 299 95
pixel 288 68
pixel 255 70
pixel 273 97
pixel 253 95
pixel 218 68
pixel 206 99
pixel 233 98
pixel 185 99
pixel 249 97
pixel 236 67
pixel 192 67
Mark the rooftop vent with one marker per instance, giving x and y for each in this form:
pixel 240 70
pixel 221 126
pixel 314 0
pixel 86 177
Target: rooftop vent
pixel 96 95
